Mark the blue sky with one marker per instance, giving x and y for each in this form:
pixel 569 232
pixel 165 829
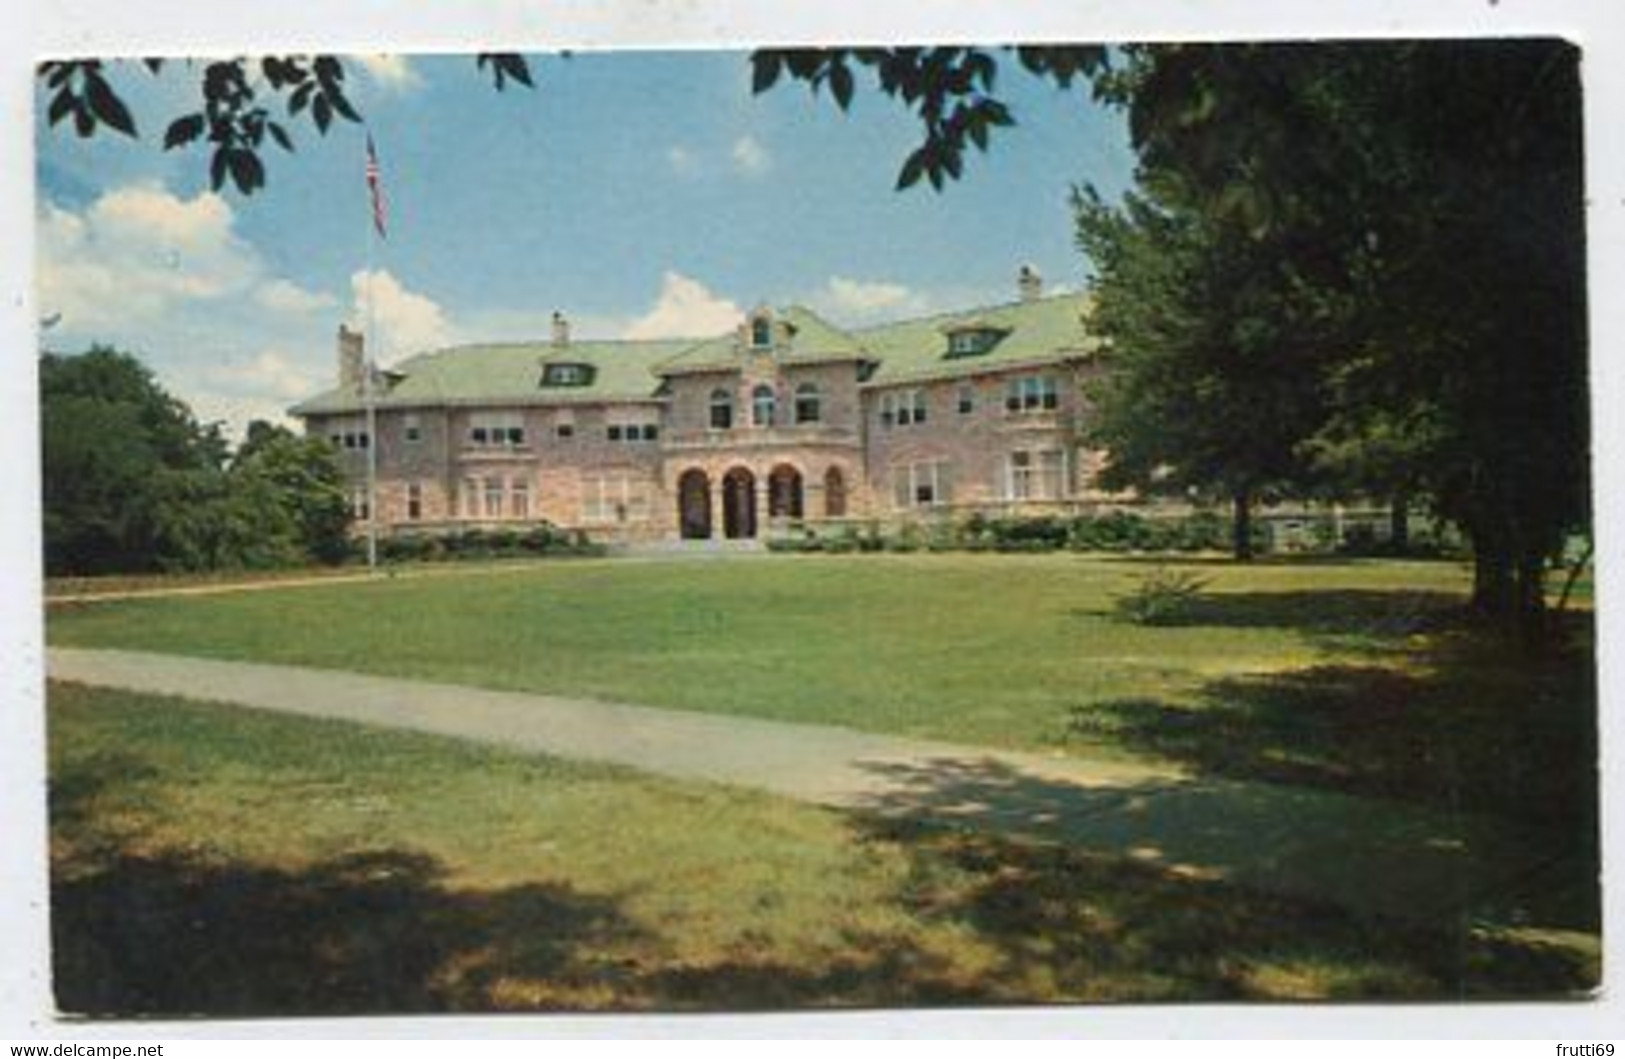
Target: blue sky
pixel 645 194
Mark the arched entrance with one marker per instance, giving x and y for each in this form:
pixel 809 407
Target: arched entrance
pixel 784 492
pixel 694 505
pixel 738 504
pixel 834 493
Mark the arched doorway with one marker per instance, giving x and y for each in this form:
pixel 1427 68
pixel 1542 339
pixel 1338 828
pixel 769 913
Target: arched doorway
pixel 738 504
pixel 834 493
pixel 694 505
pixel 784 492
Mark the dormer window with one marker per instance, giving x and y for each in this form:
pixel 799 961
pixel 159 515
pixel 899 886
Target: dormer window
pixel 567 374
pixel 761 333
pixel 969 340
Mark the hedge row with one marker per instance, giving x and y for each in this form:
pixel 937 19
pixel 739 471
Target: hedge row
pixel 1117 531
pixel 538 541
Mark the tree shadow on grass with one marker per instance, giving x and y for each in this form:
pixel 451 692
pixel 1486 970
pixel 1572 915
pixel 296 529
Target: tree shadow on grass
pixel 166 935
pixel 1086 926
pixel 1347 618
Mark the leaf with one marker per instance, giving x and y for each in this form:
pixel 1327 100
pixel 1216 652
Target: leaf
pixel 183 131
pixel 322 111
pixel 61 104
pixel 516 67
pixel 913 169
pixel 107 106
pixel 765 66
pixel 153 65
pixel 840 85
pixel 300 97
pixel 280 135
pixel 342 105
pixel 217 167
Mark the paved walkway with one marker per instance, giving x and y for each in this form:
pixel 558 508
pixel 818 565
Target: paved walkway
pixel 1369 856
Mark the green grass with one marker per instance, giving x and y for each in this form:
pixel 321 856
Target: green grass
pixel 1356 676
pixel 222 861
pixel 985 649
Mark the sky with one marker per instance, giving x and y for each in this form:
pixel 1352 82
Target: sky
pixel 645 194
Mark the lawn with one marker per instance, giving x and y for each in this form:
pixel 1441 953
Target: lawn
pixel 209 859
pixel 984 649
pixel 1350 675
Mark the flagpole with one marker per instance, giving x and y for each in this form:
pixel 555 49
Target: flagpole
pixel 368 373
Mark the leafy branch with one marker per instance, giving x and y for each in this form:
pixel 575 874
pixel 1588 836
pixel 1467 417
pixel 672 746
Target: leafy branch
pixel 242 102
pixel 949 89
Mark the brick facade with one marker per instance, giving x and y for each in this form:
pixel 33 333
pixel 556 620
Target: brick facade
pixel 785 422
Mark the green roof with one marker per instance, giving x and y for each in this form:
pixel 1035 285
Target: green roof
pixel 813 340
pixel 1035 332
pixel 1028 333
pixel 512 372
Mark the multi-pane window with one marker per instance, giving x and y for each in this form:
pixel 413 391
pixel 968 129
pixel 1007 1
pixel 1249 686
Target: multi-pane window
pixel 761 332
pixel 632 432
pixel 492 498
pixel 614 497
pixel 764 406
pixel 1036 474
pixel 496 429
pixel 349 435
pixel 902 408
pixel 808 405
pixel 923 484
pixel 414 501
pixel 567 375
pixel 1031 393
pixel 971 341
pixel 722 410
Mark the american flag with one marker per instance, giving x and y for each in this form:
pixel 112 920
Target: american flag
pixel 375 187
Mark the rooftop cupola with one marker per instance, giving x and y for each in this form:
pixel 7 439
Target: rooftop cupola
pixel 1029 284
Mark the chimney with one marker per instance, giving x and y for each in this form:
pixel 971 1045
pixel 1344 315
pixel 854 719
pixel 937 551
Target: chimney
pixel 1029 284
pixel 561 330
pixel 351 359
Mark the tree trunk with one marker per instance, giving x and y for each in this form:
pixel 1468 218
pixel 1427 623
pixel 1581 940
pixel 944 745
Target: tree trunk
pixel 1531 598
pixel 1242 529
pixel 1399 524
pixel 1493 583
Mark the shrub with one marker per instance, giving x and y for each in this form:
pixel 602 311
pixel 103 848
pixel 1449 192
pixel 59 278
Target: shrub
pixel 1161 597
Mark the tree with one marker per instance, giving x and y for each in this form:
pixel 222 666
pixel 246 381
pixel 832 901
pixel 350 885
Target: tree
pixel 133 483
pixel 242 101
pixel 118 452
pixel 1209 388
pixel 1444 242
pixel 300 478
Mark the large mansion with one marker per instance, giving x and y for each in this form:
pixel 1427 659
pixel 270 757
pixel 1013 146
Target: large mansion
pixel 787 420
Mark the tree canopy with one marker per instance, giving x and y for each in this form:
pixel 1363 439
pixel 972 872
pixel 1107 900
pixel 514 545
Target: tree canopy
pixel 133 483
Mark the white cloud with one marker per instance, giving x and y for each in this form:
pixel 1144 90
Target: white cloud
pixel 136 253
pixel 404 321
pixel 393 73
pixel 285 296
pixel 685 309
pixel 270 375
pixel 855 301
pixel 750 156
